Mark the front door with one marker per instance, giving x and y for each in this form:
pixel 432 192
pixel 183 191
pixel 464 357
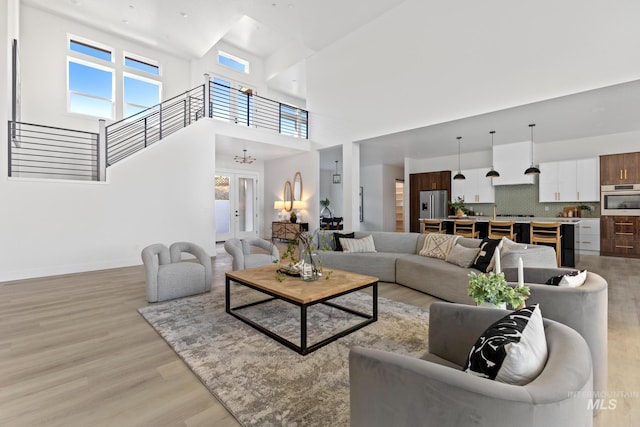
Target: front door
pixel 236 205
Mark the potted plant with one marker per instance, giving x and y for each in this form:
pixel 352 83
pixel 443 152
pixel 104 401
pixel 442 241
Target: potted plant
pixel 325 207
pixel 458 206
pixel 583 209
pixel 492 290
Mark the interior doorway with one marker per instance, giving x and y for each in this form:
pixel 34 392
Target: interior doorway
pixel 399 205
pixel 236 205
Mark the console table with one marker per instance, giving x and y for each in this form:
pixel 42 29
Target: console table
pixel 286 230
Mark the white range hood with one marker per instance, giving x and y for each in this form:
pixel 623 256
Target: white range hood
pixel 511 160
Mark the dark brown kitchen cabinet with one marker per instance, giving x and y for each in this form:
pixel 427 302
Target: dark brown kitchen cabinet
pixel 620 169
pixel 418 182
pixel 620 236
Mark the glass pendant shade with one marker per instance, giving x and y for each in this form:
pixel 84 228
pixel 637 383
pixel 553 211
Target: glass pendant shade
pixel 492 173
pixel 459 175
pixel 532 170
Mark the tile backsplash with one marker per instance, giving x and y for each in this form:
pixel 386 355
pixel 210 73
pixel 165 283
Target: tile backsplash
pixel 523 200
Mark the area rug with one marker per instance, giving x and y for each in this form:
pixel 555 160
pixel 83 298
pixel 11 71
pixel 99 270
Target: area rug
pixel 263 383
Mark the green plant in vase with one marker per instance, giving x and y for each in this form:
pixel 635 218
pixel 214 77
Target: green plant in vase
pixel 458 206
pixel 493 289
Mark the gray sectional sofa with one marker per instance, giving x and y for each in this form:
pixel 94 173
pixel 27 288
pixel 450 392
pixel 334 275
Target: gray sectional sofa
pixel 396 260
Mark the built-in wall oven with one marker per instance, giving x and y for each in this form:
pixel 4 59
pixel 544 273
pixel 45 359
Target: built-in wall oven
pixel 623 199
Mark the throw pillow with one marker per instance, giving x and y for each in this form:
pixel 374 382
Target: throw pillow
pixel 438 245
pixel 337 236
pixel 358 245
pixel 462 256
pixel 484 261
pixel 512 350
pixel 508 245
pixel 573 279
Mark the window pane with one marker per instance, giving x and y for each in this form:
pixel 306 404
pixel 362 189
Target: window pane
pixel 92 106
pixel 142 66
pixel 90 50
pixel 90 80
pixel 140 92
pixel 236 64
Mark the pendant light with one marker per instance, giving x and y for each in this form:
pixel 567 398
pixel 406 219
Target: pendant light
pixel 459 174
pixel 244 158
pixel 492 173
pixel 336 176
pixel 532 170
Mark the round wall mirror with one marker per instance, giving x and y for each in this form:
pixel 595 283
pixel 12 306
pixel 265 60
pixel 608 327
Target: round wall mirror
pixel 288 197
pixel 297 187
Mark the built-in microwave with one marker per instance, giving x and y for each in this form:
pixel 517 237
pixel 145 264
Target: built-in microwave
pixel 623 199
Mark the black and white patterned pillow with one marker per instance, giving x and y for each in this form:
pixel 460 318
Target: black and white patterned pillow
pixel 337 236
pixel 512 350
pixel 572 279
pixel 484 260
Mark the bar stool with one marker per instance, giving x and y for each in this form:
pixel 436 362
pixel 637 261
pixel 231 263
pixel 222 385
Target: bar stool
pixel 499 229
pixel 432 226
pixel 547 232
pixel 465 228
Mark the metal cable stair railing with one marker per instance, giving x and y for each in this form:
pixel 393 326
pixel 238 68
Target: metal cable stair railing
pixel 134 133
pixel 37 151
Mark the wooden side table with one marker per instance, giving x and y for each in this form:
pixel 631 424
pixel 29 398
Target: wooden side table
pixel 286 230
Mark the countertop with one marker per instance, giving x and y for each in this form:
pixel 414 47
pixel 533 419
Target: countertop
pixel 518 219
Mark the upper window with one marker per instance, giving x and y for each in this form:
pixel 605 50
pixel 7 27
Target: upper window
pixel 234 62
pixel 143 65
pixel 91 49
pixel 91 80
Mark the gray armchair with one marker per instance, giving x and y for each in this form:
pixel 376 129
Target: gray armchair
pixel 168 277
pixel 389 389
pixel 583 309
pixel 250 253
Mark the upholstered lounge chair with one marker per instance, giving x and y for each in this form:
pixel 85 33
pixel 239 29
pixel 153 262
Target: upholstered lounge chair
pixel 250 253
pixel 169 277
pixel 390 389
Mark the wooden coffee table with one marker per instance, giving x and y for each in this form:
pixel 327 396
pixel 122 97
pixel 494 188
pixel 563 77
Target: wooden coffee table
pixel 304 295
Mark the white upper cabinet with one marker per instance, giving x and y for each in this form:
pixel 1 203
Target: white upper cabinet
pixel 477 188
pixel 588 177
pixel 570 181
pixel 511 160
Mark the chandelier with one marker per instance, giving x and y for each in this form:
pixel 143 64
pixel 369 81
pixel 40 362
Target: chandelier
pixel 244 158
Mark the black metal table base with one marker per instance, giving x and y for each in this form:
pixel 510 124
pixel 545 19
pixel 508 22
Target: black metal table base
pixel 303 348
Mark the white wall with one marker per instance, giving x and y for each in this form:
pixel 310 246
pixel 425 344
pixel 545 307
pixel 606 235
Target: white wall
pixel 163 194
pixel 43 57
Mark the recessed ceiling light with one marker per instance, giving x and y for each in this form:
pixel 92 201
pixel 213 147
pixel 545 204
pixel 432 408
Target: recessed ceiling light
pixel 124 21
pixel 131 6
pixel 184 14
pixel 76 2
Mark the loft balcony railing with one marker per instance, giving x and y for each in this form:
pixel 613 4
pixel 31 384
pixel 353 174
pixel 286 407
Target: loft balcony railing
pixel 130 135
pixel 244 108
pixel 56 153
pixel 38 151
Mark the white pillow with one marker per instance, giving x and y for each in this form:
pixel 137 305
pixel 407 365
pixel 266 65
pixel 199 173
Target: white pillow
pixel 358 245
pixel 509 245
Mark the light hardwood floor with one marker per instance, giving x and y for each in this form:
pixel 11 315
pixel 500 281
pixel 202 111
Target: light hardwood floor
pixel 75 352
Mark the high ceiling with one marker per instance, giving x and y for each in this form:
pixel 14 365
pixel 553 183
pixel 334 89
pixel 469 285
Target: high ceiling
pixel 286 32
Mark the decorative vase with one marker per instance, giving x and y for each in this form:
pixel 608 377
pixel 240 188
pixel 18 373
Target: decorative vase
pixel 293 217
pixel 459 213
pixel 502 306
pixel 309 272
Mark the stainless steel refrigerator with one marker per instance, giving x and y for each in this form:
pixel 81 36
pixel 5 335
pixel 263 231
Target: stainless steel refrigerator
pixel 433 204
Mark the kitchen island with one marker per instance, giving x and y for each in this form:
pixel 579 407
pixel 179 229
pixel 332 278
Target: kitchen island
pixel 521 227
